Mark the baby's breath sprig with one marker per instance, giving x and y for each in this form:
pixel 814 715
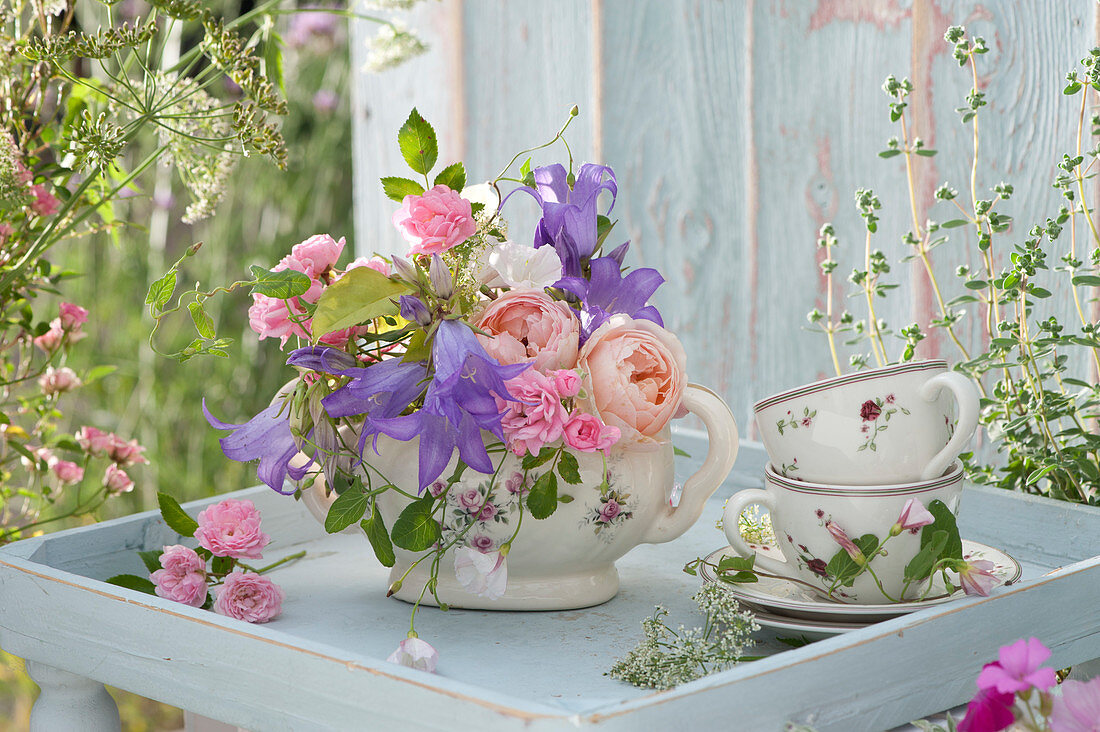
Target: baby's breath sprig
pixel 667 657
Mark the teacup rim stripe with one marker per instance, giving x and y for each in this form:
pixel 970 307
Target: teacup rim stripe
pixel 847 379
pixel 900 490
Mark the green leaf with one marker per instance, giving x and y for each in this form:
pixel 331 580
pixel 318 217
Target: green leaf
pixel 375 530
pixel 1089 280
pixel 418 348
pixel 925 152
pixel 736 564
pixel 525 173
pixel 681 453
pixel 348 508
pixel 565 498
pixel 976 284
pixel 151 560
pixel 530 462
pixel 453 176
pixel 174 515
pixel 543 498
pixel 360 295
pixel 416 138
pixel 282 285
pixel 160 292
pixel 222 565
pixel 397 188
pixel 204 324
pixel 945 521
pixel 273 61
pixel 569 469
pixel 954 223
pixel 844 568
pixel 98 372
pixel 1037 474
pixel 1072 88
pixel 920 566
pixel 889 153
pixel 133 582
pixel 415 529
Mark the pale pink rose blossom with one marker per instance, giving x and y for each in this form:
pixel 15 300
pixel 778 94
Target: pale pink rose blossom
pixel 271 317
pixel 530 326
pixel 634 378
pixel 250 597
pixel 125 453
pixel 567 382
pixel 72 316
pixel 434 222
pixel 316 255
pixel 538 418
pixel 71 336
pixel 376 263
pixel 483 574
pixel 51 340
pixel 116 480
pixel 94 441
pixel 913 516
pixel 977 577
pixel 586 433
pixel 232 529
pixel 58 381
pixel 67 471
pixel 1077 708
pixel 416 654
pixel 183 577
pixel 44 203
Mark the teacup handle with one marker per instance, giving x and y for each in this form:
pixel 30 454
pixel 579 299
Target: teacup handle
pixel 737 503
pixel 966 397
pixel 722 447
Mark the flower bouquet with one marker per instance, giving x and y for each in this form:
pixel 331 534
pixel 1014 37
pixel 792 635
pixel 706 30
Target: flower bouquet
pixel 493 415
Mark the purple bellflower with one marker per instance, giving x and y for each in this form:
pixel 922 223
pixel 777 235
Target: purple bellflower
pixel 608 293
pixel 267 438
pixel 569 215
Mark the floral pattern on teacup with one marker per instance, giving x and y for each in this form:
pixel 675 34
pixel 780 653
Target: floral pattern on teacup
pixel 793 422
pixel 870 412
pixel 614 509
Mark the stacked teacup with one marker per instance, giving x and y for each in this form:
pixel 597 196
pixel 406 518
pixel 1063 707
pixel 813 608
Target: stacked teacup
pixel 858 464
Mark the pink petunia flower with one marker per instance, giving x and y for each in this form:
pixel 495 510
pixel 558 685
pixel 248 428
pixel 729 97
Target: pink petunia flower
pixel 250 597
pixel 232 529
pixel 977 577
pixel 1077 709
pixel 415 653
pixel 483 574
pixel 1018 668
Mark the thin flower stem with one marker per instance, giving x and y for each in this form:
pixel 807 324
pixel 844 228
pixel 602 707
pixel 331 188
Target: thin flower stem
pixel 877 347
pixel 284 560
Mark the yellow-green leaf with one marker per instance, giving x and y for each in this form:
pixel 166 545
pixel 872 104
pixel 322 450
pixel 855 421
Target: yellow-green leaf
pixel 361 295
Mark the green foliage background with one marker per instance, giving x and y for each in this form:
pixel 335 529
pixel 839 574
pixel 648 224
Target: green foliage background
pixel 157 400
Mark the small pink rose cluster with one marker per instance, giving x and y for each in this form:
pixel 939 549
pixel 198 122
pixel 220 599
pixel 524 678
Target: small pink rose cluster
pixel 122 454
pixel 229 529
pixel 40 201
pixel 625 383
pixel 316 257
pixel 66 329
pixel 1017 687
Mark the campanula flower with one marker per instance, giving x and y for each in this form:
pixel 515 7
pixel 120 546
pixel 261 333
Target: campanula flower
pixel 267 438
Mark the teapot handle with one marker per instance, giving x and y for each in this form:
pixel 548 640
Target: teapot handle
pixel 721 453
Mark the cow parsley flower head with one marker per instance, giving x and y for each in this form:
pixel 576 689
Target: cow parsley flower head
pixel 391 46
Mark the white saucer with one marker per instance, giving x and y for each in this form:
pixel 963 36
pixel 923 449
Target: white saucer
pixel 811 629
pixel 792 600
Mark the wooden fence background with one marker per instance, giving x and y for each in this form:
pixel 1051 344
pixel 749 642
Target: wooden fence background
pixel 736 128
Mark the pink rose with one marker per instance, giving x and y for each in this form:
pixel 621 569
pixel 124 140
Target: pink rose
pixel 72 316
pixel 537 418
pixel 567 382
pixel 415 653
pixel 249 597
pixel 183 578
pixel 434 222
pixel 585 432
pixel 232 529
pixel 529 325
pixel 67 471
pixel 376 263
pixel 125 453
pixel 634 377
pixel 271 317
pixel 58 381
pixel 483 574
pixel 116 480
pixel 51 340
pixel 94 441
pixel 44 203
pixel 315 256
pixel 609 510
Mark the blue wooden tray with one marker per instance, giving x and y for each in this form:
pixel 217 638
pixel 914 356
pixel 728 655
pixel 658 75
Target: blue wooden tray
pixel 321 664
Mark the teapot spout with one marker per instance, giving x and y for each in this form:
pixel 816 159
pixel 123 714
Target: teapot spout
pixel 721 454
